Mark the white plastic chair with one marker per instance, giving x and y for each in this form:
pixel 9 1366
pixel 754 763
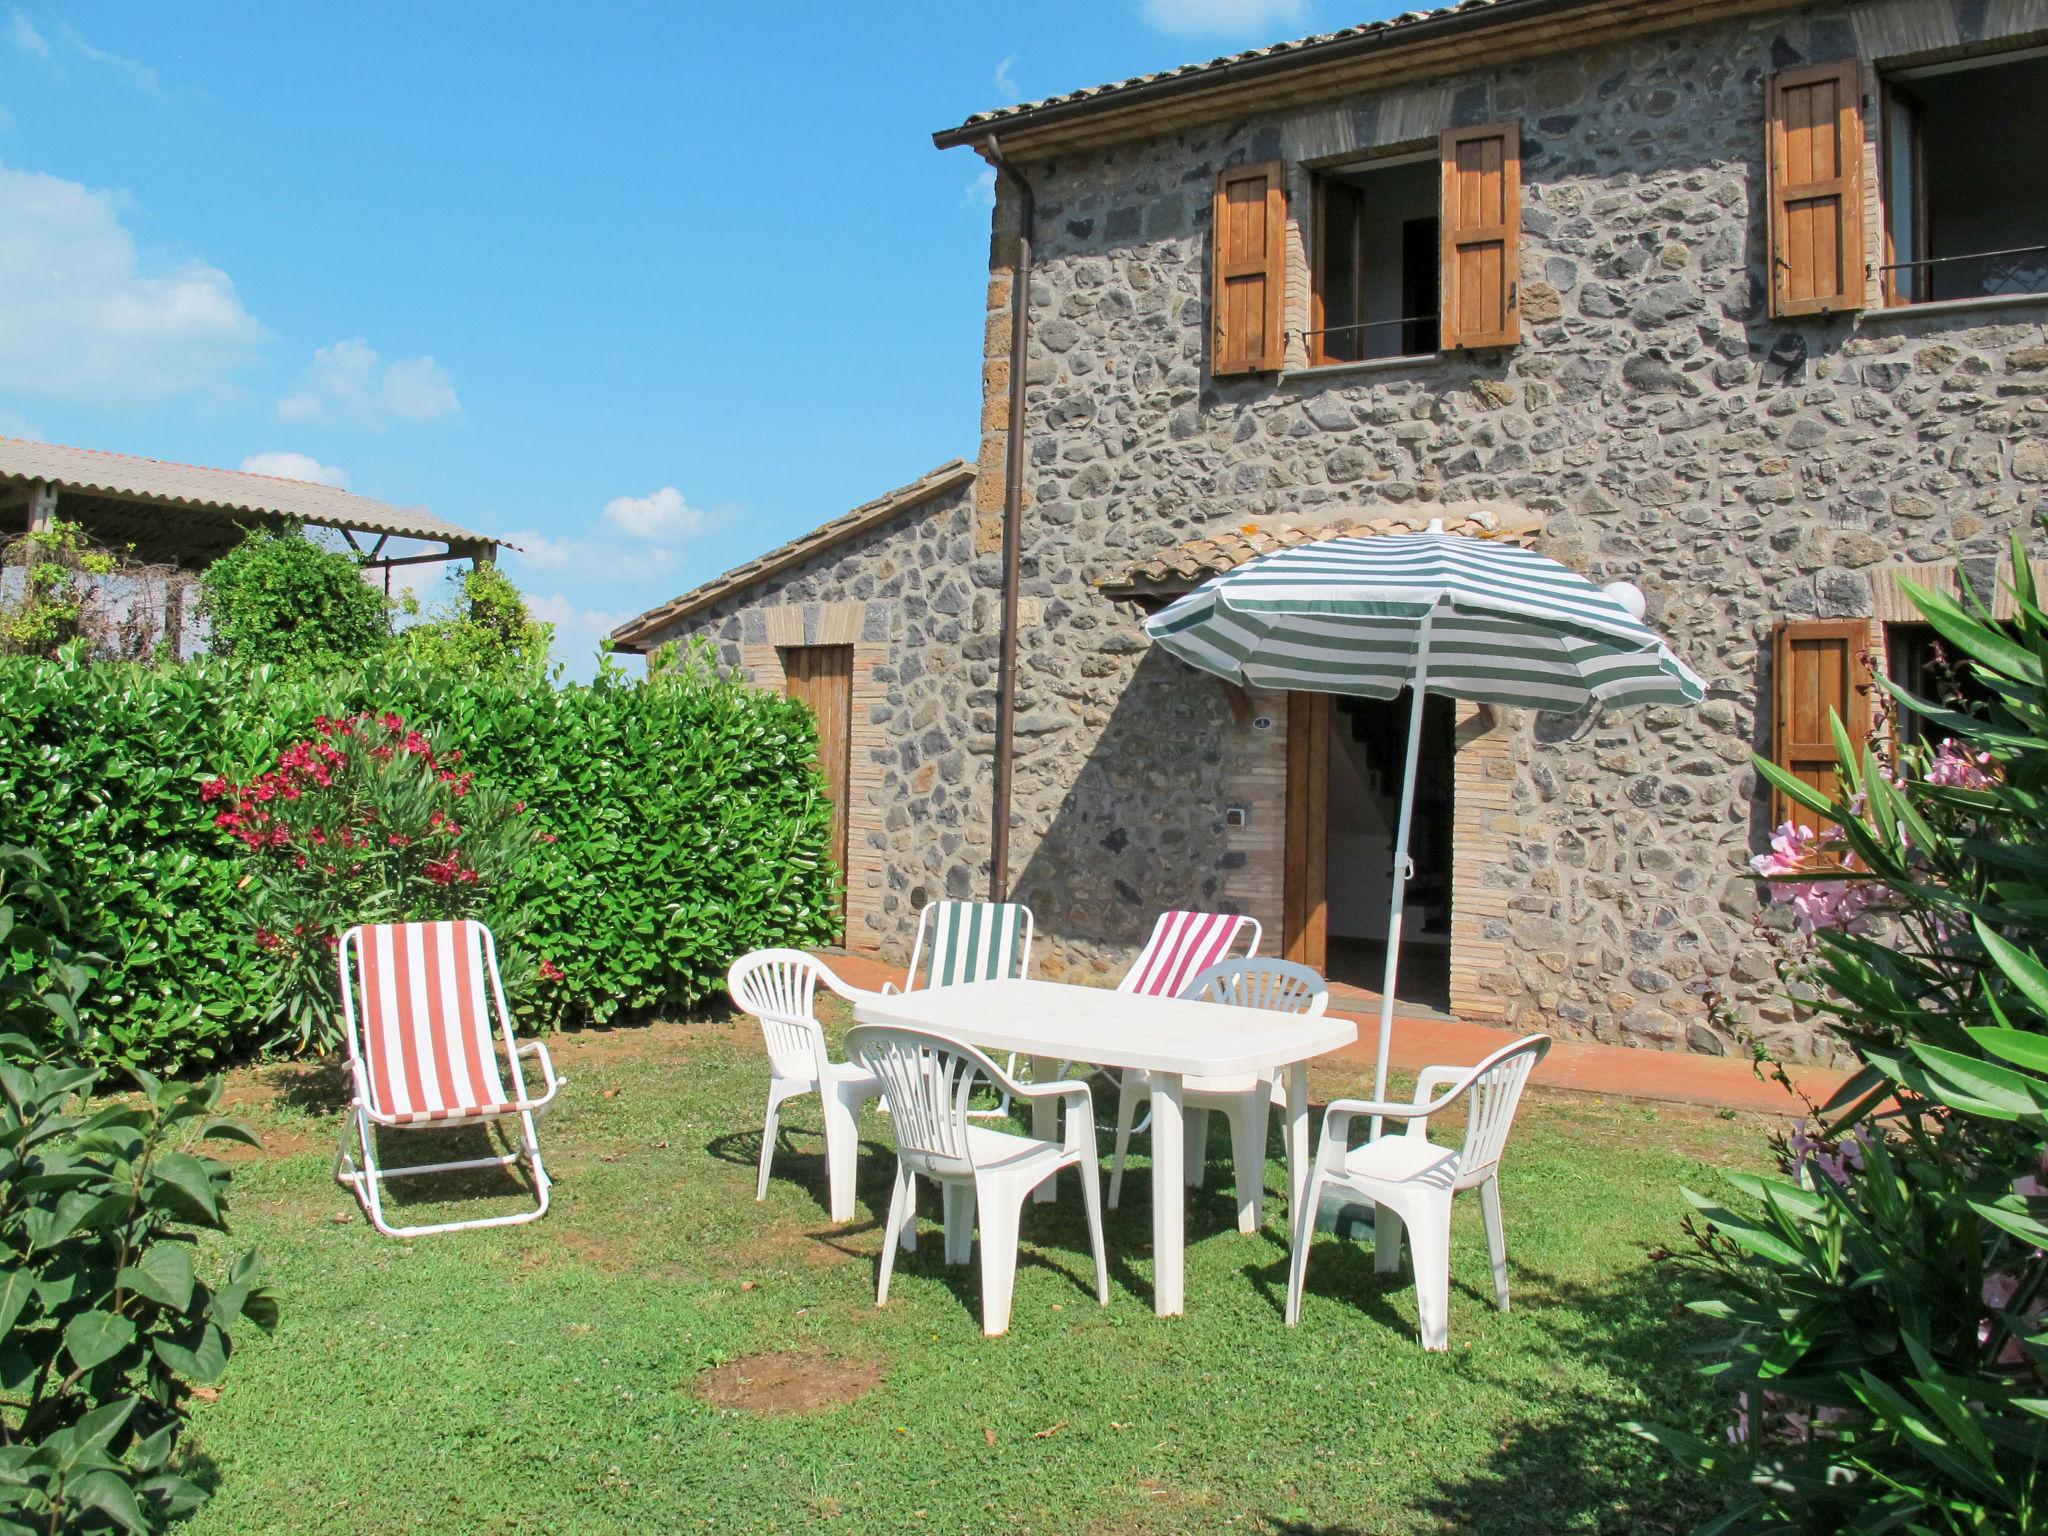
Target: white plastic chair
pixel 1411 1179
pixel 778 986
pixel 1279 985
pixel 423 1055
pixel 928 1081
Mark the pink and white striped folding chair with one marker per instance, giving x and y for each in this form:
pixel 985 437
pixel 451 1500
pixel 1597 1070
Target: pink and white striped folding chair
pixel 417 1000
pixel 1182 946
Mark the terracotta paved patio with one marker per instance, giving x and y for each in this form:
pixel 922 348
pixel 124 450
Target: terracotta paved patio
pixel 1678 1077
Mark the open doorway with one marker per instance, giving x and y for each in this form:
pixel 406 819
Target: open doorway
pixel 1341 826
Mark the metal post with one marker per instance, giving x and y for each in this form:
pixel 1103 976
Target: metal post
pixel 1402 872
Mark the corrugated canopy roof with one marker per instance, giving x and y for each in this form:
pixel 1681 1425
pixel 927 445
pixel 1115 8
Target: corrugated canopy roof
pixel 186 510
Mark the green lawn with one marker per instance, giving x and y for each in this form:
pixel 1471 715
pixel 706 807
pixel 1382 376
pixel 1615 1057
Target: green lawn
pixel 565 1376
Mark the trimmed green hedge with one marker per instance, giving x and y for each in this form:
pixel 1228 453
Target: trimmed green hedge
pixel 690 827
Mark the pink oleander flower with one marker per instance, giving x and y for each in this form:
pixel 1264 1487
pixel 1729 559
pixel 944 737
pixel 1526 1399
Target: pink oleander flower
pixel 1960 768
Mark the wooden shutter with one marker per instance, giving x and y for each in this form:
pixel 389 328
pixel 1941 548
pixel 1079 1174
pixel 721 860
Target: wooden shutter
pixel 1814 155
pixel 1819 669
pixel 1482 224
pixel 1249 280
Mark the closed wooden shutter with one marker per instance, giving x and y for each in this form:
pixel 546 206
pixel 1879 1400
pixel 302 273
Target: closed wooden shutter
pixel 1819 670
pixel 1250 269
pixel 1482 222
pixel 1814 156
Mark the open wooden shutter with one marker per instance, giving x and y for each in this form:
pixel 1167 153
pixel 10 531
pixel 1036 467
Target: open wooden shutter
pixel 1814 153
pixel 1482 223
pixel 1819 669
pixel 1250 276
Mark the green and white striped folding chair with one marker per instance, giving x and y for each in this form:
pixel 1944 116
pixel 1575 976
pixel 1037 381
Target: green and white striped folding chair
pixel 963 941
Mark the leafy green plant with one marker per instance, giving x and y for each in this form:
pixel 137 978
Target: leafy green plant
pixel 365 822
pixel 58 567
pixel 278 598
pixel 692 825
pixel 1885 1295
pixel 484 627
pixel 106 1324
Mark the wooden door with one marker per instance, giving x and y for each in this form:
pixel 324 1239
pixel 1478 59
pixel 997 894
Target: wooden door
pixel 822 677
pixel 1306 926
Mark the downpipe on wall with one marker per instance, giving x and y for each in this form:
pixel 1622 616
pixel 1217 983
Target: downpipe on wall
pixel 1013 526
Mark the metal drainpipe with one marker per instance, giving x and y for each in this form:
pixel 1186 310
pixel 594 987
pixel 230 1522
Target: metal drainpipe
pixel 1013 528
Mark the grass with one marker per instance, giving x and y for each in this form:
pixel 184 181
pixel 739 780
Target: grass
pixel 591 1372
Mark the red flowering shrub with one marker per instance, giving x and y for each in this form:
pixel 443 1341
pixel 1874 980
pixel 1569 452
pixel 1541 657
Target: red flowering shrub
pixel 367 822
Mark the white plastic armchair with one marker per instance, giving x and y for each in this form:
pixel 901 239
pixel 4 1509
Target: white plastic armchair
pixel 929 1081
pixel 1280 986
pixel 779 988
pixel 1411 1179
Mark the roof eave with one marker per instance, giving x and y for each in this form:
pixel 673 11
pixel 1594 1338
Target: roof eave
pixel 639 635
pixel 1238 71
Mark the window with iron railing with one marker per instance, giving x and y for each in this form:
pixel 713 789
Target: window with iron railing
pixel 1965 180
pixel 1376 257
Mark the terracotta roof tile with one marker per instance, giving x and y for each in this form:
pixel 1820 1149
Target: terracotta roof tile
pixel 1181 567
pixel 1193 75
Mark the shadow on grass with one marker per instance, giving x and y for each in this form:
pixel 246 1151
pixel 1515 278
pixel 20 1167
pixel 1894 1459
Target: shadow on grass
pixel 310 1087
pixel 1061 1225
pixel 1570 1466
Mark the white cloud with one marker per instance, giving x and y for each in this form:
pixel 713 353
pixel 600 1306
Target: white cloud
pixel 1233 18
pixel 295 466
pixel 542 552
pixel 138 74
pixel 350 382
pixel 981 192
pixel 662 518
pixel 83 316
pixel 1005 82
pixel 25 37
pixel 22 34
pixel 577 630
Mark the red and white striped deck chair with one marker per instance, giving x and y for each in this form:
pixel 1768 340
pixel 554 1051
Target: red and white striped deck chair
pixel 1182 946
pixel 418 1000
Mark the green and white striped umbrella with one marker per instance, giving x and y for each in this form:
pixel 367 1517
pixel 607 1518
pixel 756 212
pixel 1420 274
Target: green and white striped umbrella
pixel 1505 625
pixel 1459 617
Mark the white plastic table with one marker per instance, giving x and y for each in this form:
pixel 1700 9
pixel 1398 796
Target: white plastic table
pixel 1172 1038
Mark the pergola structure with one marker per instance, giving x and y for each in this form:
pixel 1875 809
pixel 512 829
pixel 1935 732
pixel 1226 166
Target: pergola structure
pixel 185 516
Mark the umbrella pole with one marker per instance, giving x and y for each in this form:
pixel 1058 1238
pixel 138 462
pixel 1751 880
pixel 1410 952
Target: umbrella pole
pixel 1418 686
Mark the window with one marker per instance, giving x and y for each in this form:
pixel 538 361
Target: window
pixel 1928 667
pixel 1965 202
pixel 1377 251
pixel 1818 674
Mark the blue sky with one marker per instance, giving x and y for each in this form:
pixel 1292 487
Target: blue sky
pixel 646 288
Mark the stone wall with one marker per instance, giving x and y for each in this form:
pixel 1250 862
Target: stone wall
pixel 920 610
pixel 1742 471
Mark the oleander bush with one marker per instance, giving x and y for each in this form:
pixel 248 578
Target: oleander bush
pixel 107 1325
pixel 689 825
pixel 1886 1297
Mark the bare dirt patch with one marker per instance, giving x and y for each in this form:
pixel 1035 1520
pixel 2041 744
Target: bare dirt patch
pixel 787 1382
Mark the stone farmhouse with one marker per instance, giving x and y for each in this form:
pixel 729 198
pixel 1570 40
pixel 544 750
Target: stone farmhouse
pixel 1742 302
